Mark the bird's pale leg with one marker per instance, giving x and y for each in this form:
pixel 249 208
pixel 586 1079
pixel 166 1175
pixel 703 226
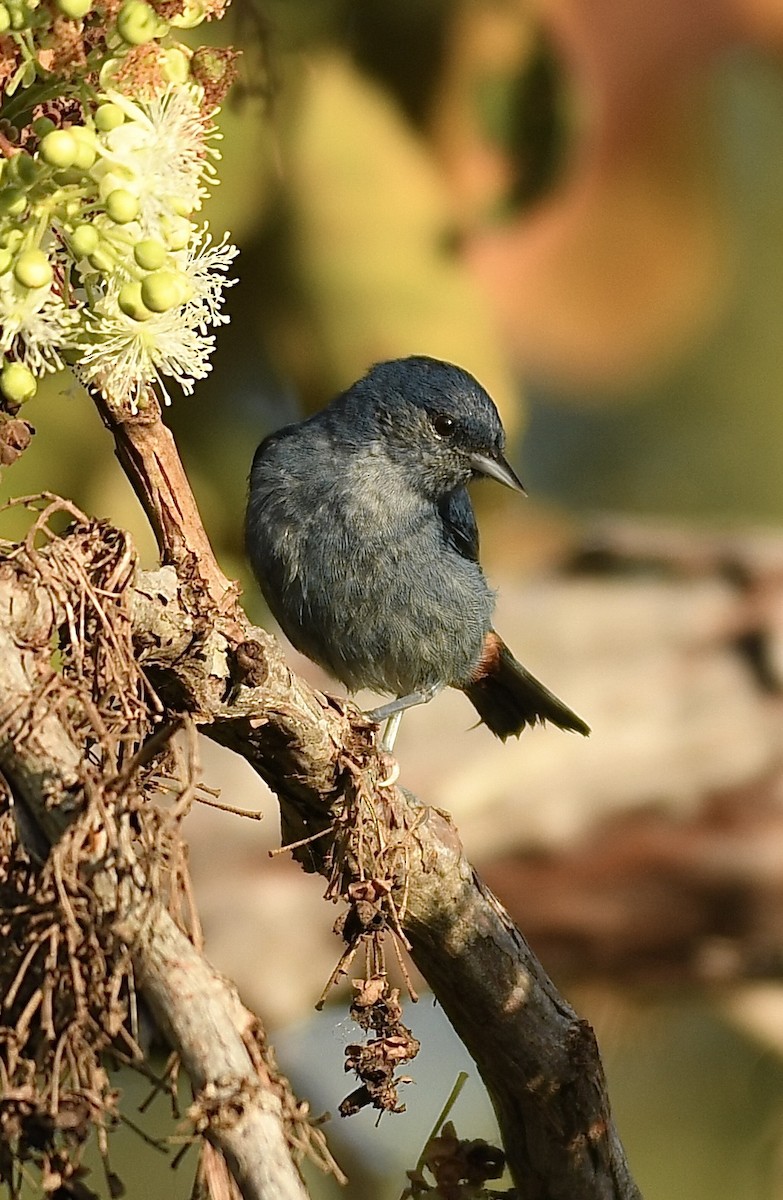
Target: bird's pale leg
pixel 392 713
pixel 386 744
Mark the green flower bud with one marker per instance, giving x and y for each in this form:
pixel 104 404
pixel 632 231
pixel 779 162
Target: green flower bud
pixel 11 239
pixel 13 201
pixel 131 302
pixel 87 147
pixel 101 260
pixel 5 19
pixel 164 290
pixel 180 207
pixel 122 206
pixel 59 148
pixel 85 133
pixel 22 168
pixel 6 258
pixel 84 241
pixel 75 9
pixel 108 117
pixel 108 72
pixel 137 22
pixel 150 254
pixel 85 157
pixel 118 178
pixel 17 383
pixel 176 65
pixel 42 126
pixel 32 269
pixel 192 15
pixel 178 233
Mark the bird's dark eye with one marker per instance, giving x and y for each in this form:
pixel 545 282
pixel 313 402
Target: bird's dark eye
pixel 443 424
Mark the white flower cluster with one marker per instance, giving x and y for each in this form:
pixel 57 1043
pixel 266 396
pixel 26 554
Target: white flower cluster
pixel 102 265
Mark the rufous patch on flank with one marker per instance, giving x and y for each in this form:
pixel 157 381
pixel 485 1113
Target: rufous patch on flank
pixel 490 657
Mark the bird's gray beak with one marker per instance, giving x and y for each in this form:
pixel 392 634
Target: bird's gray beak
pixel 496 468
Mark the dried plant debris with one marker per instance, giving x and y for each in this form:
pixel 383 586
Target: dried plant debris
pixel 377 1007
pixel 67 997
pixel 451 1168
pixel 368 868
pixel 15 437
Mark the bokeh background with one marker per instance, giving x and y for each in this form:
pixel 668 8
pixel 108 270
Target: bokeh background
pixel 580 201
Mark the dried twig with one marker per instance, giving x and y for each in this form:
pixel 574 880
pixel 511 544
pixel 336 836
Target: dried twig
pixel 109 879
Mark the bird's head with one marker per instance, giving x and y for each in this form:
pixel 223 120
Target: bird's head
pixel 434 420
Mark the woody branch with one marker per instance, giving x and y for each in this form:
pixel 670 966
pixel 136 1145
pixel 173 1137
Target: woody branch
pixel 538 1060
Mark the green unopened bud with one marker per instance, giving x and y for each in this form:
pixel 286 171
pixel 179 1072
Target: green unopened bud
pixel 150 254
pixel 178 233
pixel 108 117
pixel 22 168
pixel 118 178
pixel 11 239
pixel 122 206
pixel 164 290
pixel 102 260
pixel 176 65
pixel 193 14
pixel 17 383
pixel 87 147
pixel 13 201
pixel 74 9
pixel 131 302
pixel 6 258
pixel 59 148
pixel 5 19
pixel 42 126
pixel 84 240
pixel 32 269
pixel 180 207
pixel 137 22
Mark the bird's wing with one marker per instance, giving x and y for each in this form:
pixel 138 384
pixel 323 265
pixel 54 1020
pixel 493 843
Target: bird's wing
pixel 459 523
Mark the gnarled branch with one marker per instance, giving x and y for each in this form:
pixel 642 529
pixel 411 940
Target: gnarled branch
pixel 538 1060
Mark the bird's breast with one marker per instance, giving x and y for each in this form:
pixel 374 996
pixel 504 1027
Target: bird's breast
pixel 356 569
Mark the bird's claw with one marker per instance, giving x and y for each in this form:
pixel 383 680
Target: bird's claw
pixel 390 763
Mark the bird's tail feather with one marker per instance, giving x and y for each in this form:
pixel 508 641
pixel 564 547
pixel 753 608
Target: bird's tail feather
pixel 508 698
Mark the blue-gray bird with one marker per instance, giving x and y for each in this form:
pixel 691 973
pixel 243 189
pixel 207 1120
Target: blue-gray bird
pixel 362 536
